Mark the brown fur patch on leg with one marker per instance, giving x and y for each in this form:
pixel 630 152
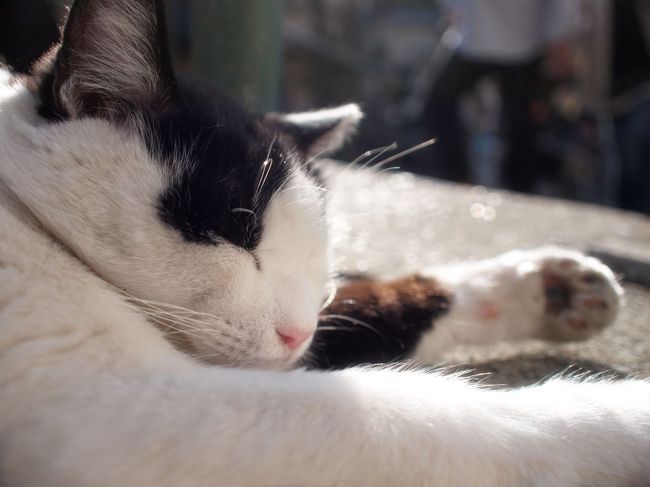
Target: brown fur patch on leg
pixel 404 295
pixel 408 301
pixel 376 322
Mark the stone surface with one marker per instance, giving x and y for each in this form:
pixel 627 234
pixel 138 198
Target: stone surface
pixel 387 223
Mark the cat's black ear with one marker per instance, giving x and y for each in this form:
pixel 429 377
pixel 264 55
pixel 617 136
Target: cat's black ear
pixel 113 55
pixel 320 132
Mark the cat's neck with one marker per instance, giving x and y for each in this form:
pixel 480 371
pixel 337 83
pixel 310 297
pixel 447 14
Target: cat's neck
pixel 86 183
pixel 17 106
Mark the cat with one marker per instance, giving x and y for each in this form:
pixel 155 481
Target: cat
pixel 163 264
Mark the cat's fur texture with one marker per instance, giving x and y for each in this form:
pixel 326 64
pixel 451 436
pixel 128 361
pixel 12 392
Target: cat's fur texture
pixel 160 248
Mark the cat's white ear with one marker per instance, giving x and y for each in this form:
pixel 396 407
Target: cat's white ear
pixel 319 132
pixel 113 54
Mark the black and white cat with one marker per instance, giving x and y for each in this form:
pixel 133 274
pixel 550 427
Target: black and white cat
pixel 162 252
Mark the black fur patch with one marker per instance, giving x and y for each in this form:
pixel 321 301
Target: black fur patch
pixel 236 164
pixel 47 107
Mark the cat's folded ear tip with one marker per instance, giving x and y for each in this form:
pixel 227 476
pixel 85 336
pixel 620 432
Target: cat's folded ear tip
pixel 327 117
pixel 352 111
pixel 319 131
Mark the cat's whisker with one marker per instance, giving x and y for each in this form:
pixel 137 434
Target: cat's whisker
pixel 164 317
pixel 147 307
pixel 377 153
pixel 353 166
pixel 267 164
pixel 311 159
pixel 171 315
pixel 182 332
pixel 244 210
pixel 294 172
pixel 224 339
pixel 380 153
pixel 159 315
pixel 168 317
pixel 370 153
pixel 329 328
pixel 415 148
pixel 386 170
pixel 165 323
pixel 265 170
pixel 307 186
pixel 186 322
pixel 162 306
pixel 355 322
pixel 297 171
pixel 330 296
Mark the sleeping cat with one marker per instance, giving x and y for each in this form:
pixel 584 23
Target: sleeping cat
pixel 163 264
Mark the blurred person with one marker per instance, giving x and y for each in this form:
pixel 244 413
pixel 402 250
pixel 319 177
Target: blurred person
pixel 508 40
pixel 630 94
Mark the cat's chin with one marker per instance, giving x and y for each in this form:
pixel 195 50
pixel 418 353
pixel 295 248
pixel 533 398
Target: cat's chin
pixel 251 362
pixel 238 352
pixel 284 360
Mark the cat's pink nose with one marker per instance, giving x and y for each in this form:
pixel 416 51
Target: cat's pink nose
pixel 294 337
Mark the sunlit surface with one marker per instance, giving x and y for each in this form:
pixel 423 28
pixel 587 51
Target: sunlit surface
pixel 386 223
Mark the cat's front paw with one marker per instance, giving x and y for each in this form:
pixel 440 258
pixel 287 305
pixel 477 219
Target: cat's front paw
pixel 581 294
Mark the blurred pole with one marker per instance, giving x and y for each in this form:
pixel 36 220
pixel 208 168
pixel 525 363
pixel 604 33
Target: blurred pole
pixel 238 45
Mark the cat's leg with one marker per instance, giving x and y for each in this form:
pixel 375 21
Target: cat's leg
pixel 370 321
pixel 547 293
pixel 199 426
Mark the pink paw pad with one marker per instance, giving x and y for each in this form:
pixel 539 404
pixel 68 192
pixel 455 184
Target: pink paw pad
pixel 580 298
pixel 488 311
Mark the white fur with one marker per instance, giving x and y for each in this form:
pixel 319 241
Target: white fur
pixel 327 116
pixel 92 393
pixel 346 118
pixel 502 299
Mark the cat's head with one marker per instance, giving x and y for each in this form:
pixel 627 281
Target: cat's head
pixel 179 197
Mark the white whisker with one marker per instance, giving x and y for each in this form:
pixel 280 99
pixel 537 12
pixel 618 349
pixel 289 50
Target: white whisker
pixel 330 297
pixel 265 171
pixel 372 152
pixel 380 153
pixel 355 322
pixel 244 210
pixel 408 151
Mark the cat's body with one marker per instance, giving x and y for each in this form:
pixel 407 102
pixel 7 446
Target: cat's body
pixel 141 258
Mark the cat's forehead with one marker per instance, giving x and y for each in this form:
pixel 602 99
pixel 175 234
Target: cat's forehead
pixel 226 166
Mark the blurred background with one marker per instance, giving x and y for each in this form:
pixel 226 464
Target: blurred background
pixel 546 97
